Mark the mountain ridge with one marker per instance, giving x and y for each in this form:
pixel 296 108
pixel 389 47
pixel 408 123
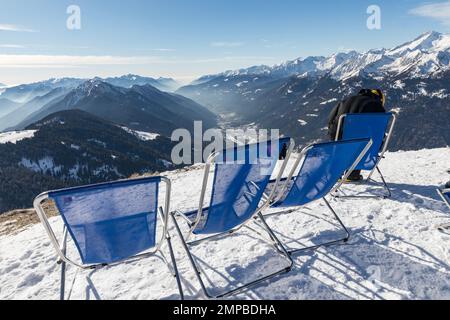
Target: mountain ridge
pixel 344 65
pixel 142 108
pixel 298 100
pixel 25 92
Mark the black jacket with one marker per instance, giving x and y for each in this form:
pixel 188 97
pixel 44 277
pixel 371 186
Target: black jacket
pixel 365 102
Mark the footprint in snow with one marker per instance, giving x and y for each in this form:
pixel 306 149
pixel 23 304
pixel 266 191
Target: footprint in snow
pixel 31 280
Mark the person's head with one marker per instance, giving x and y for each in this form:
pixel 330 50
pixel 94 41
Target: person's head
pixel 376 93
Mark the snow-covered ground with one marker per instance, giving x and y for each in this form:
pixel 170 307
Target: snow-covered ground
pixel 142 135
pixel 395 251
pixel 15 136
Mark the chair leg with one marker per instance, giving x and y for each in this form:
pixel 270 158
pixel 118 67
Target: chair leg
pixel 175 268
pixel 63 266
pixel 328 243
pixel 214 237
pixel 278 213
pixel 63 281
pixel 388 194
pixel 238 289
pixel 386 186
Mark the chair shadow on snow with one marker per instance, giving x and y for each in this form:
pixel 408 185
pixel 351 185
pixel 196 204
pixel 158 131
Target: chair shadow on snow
pixel 92 293
pixel 90 287
pixel 396 273
pixel 365 268
pixel 421 196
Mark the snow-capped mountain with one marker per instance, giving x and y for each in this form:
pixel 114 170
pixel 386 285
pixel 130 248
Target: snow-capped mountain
pixel 297 96
pixel 22 111
pixel 26 92
pixel 129 80
pixel 429 54
pixel 142 108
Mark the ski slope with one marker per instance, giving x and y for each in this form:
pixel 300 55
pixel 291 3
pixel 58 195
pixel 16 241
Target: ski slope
pixel 395 251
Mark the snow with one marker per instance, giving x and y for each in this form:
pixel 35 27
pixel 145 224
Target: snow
pixel 75 147
pixel 329 101
pixel 15 136
pixel 398 84
pixel 44 165
pixel 142 135
pixel 103 144
pixel 395 251
pixel 425 55
pixel 240 84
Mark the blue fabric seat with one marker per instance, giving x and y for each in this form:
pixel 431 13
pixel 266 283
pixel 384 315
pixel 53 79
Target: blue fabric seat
pixel 110 222
pixel 241 176
pixel 322 167
pixel 367 125
pixel 316 172
pixel 375 126
pixel 238 187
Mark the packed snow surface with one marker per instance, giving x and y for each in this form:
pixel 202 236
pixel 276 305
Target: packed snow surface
pixel 395 251
pixel 15 136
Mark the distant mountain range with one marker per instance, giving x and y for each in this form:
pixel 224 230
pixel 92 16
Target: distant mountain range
pixel 298 95
pixel 26 92
pixel 130 80
pixel 20 112
pixel 7 106
pixel 140 107
pixel 70 148
pixel 424 56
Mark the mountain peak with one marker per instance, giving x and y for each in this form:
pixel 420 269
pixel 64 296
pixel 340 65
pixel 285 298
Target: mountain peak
pixel 431 34
pixel 425 42
pixel 91 88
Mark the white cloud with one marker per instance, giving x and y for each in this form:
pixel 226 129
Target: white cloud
pixel 10 60
pixel 11 46
pixel 439 11
pixel 14 28
pixel 59 61
pixel 225 44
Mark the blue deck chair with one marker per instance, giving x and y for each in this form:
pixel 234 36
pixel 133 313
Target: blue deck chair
pixel 237 198
pixel 376 126
pixel 315 174
pixel 110 223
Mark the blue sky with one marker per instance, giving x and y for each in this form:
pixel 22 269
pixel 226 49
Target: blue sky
pixel 185 39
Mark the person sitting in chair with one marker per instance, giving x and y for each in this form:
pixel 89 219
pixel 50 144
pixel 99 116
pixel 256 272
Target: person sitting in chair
pixel 366 101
